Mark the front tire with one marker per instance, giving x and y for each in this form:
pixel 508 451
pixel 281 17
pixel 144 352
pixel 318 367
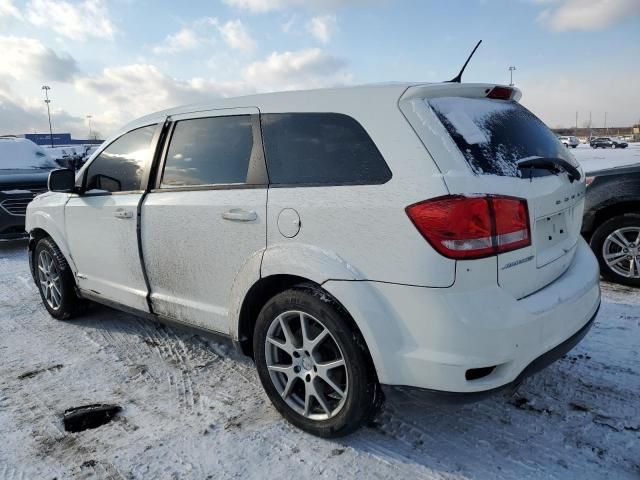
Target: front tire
pixel 313 364
pixel 55 281
pixel 616 245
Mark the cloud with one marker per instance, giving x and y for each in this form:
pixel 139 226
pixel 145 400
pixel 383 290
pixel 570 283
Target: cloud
pixel 586 14
pixel 261 6
pixel 77 21
pixel 322 27
pixel 130 91
pixel 126 92
pixel 8 9
pixel 27 58
pixel 310 68
pixel 233 32
pixel 236 35
pixel 185 39
pixel 23 115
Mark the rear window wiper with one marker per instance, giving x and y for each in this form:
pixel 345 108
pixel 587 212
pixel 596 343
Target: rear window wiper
pixel 553 164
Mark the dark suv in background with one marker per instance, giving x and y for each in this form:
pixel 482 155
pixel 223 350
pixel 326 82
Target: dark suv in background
pixel 611 222
pixel 606 142
pixel 24 169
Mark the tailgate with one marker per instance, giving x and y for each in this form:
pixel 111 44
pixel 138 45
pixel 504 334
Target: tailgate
pixel 477 143
pixel 555 216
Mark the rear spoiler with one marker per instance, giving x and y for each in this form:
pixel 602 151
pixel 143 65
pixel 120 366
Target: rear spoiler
pixel 470 90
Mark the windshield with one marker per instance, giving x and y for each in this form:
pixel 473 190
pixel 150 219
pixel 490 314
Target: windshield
pixel 493 135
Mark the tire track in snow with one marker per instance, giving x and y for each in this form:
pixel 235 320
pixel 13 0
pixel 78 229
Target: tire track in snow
pixel 158 354
pixel 457 433
pixel 99 469
pixel 7 472
pixel 149 351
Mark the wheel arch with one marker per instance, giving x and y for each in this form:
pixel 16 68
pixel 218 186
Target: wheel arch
pixel 256 297
pixel 43 224
pixel 38 233
pixel 274 270
pixel 614 210
pixel 265 289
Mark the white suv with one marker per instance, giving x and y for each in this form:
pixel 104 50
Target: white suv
pixel 402 235
pixel 572 142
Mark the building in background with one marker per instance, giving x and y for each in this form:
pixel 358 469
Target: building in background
pixel 59 139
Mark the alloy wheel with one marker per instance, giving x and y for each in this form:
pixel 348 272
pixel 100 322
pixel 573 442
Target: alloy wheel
pixel 306 365
pixel 621 251
pixel 50 281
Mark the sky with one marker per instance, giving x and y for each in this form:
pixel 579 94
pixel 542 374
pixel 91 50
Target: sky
pixel 116 60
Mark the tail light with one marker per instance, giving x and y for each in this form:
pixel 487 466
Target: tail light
pixel 472 227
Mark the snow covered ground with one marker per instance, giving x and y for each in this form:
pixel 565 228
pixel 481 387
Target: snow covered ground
pixel 598 158
pixel 193 409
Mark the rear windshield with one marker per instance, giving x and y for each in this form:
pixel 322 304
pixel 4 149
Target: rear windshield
pixel 493 135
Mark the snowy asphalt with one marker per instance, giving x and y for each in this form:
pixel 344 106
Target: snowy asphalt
pixel 193 409
pixel 599 158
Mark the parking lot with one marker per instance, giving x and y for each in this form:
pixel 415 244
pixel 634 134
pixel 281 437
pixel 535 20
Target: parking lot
pixel 193 409
pixel 598 158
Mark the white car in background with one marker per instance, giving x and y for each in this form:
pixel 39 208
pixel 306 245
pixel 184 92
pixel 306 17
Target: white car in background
pixel 571 141
pixel 416 235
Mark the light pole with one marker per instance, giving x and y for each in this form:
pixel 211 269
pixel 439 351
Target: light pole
pixel 46 89
pixel 606 130
pixel 89 117
pixel 511 69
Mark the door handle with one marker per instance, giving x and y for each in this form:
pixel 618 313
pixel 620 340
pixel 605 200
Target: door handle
pixel 240 215
pixel 120 213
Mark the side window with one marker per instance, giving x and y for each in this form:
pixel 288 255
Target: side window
pixel 120 167
pixel 320 149
pixel 209 151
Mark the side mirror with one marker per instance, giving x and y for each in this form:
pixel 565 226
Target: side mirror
pixel 61 180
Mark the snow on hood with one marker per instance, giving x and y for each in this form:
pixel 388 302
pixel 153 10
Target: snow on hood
pixel 21 154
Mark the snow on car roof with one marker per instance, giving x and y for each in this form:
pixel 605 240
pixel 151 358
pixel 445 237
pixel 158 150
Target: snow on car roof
pixel 21 153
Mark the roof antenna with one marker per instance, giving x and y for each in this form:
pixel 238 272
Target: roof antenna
pixel 458 78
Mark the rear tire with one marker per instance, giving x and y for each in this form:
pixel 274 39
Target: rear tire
pixel 609 239
pixel 292 368
pixel 55 282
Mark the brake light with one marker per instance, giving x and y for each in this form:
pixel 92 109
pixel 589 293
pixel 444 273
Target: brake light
pixel 472 227
pixel 500 93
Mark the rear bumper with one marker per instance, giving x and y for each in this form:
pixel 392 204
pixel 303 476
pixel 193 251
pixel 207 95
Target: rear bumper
pixel 430 337
pixel 543 361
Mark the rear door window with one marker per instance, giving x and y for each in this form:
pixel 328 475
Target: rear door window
pixel 209 151
pixel 320 149
pixel 493 135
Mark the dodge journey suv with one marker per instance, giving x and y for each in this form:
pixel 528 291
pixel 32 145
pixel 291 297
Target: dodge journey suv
pixel 416 235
